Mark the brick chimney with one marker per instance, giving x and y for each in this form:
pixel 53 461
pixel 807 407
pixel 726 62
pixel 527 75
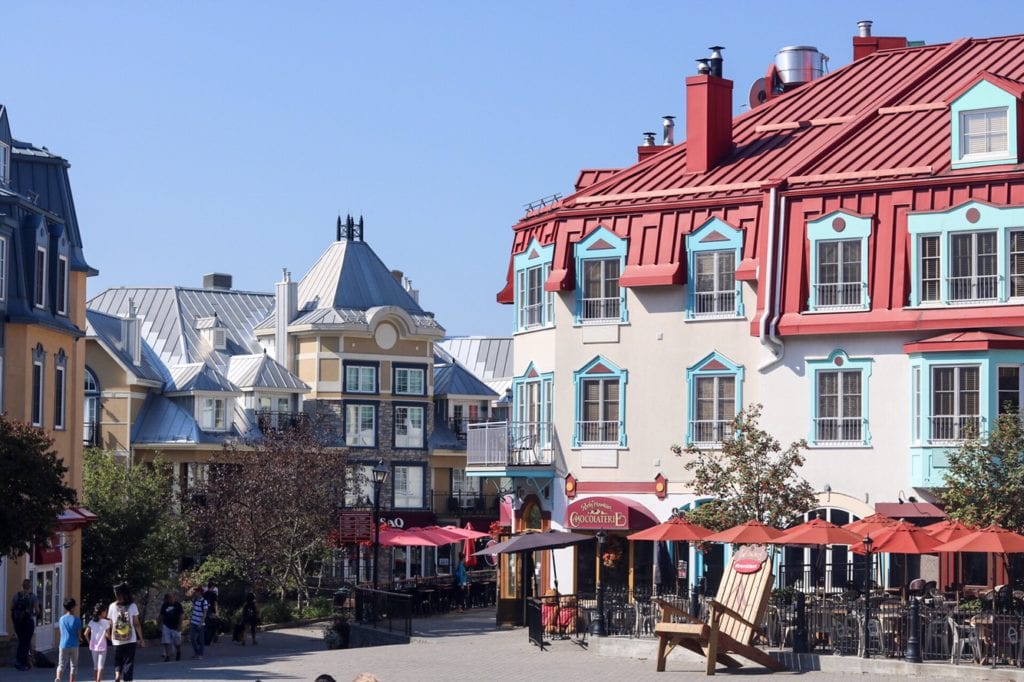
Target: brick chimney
pixel 708 116
pixel 865 44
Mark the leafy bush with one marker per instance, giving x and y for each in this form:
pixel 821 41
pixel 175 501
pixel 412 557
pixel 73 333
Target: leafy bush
pixel 275 612
pixel 319 607
pixel 150 629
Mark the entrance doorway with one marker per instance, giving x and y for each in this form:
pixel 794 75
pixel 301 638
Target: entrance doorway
pixel 49 587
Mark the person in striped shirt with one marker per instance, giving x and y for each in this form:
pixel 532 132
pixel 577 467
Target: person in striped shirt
pixel 197 623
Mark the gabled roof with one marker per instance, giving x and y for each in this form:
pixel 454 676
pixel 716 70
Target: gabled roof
pixel 170 315
pixel 107 330
pixel 260 371
pixel 489 358
pixel 451 378
pixel 161 420
pixel 349 275
pixel 198 376
pixel 965 341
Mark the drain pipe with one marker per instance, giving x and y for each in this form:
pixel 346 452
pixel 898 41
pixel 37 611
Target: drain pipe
pixel 769 339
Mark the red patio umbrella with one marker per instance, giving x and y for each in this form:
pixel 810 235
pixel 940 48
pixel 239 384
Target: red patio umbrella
pixel 464 533
pixel 752 532
pixel 992 540
pixel 901 538
pixel 870 524
pixel 443 534
pixel 469 548
pixel 677 529
pixel 817 532
pixel 406 538
pixel 950 529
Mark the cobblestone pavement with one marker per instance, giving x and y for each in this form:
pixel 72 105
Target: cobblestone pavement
pixel 452 648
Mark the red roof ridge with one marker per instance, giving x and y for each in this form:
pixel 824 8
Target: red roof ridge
pixel 1015 88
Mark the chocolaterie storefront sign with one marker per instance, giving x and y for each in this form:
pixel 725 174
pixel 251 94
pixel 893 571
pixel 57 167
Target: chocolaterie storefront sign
pixel 609 513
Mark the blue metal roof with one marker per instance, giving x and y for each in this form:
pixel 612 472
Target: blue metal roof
pixel 162 420
pixel 263 372
pixel 454 379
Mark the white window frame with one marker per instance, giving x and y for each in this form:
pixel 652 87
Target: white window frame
pixel 406 494
pixel 714 301
pixel 62 285
pixel 407 435
pixel 949 428
pixel 359 488
pixel 840 428
pixel 355 414
pixel 534 303
pixel 356 378
pixel 981 287
pixel 404 381
pixel 843 293
pixel 988 134
pixel 607 306
pixel 208 413
pixel 39 280
pixel 721 425
pixel 606 429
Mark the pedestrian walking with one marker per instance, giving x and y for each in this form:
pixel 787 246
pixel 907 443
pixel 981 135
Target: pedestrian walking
pixel 197 623
pixel 250 618
pixel 24 611
pixel 170 626
pixel 98 634
pixel 212 596
pixel 126 633
pixel 461 584
pixel 70 636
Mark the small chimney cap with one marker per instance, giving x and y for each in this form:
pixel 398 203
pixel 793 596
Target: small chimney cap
pixel 716 48
pixel 649 139
pixel 668 118
pixel 864 27
pixel 703 67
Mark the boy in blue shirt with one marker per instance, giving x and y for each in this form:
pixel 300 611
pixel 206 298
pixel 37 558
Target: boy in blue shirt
pixel 70 634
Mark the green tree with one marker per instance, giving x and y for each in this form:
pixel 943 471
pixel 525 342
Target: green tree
pixel 985 477
pixel 139 536
pixel 269 507
pixel 751 477
pixel 32 487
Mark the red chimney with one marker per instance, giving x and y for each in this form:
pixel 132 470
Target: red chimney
pixel 708 121
pixel 865 44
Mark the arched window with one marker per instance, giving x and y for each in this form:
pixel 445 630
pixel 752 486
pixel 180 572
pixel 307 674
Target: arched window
pixel 90 421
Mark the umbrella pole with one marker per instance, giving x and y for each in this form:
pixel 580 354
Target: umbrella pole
pixel 554 569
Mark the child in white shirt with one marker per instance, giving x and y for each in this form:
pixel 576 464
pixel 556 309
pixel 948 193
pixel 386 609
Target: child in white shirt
pixel 98 632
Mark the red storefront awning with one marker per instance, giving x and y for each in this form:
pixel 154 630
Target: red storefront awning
pixel 47 552
pixel 608 513
pixel 74 518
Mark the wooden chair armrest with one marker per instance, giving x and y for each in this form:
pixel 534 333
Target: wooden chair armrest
pixel 718 609
pixel 669 611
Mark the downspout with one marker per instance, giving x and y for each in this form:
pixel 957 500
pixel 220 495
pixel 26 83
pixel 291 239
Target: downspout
pixel 767 337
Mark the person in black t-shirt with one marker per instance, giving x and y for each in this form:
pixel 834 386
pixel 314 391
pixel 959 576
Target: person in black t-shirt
pixel 170 626
pixel 212 614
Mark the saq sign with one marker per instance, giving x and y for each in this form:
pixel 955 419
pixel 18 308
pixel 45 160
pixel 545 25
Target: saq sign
pixel 602 513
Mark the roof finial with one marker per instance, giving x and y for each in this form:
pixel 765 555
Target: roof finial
pixel 338 237
pixel 361 227
pixel 349 226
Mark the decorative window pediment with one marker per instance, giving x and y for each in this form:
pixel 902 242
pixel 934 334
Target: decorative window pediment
pixel 984 122
pixel 600 258
pixel 839 262
pixel 600 388
pixel 715 392
pixel 534 304
pixel 713 254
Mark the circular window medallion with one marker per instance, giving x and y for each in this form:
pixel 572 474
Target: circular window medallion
pixel 385 335
pixel 838 362
pixel 973 215
pixel 839 224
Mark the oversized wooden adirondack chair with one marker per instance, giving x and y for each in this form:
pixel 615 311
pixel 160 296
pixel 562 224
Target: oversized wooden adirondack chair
pixel 734 616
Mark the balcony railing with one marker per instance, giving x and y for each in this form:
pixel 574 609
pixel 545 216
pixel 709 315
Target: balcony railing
pixel 602 309
pixel 532 315
pixel 269 421
pixel 711 304
pixel 501 444
pixel 968 289
pixel 464 502
pixel 711 430
pixel 839 296
pixel 839 430
pixel 91 434
pixel 598 432
pixel 954 428
pixel 459 425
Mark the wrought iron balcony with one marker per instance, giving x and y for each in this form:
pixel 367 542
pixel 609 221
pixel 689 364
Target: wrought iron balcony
pixel 504 444
pixel 954 428
pixel 269 421
pixel 91 434
pixel 839 430
pixel 711 431
pixel 839 296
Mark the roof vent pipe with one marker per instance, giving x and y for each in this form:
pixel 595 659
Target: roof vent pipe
pixel 649 139
pixel 703 68
pixel 669 124
pixel 715 60
pixel 864 28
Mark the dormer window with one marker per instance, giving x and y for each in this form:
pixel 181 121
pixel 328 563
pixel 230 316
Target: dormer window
pixel 39 291
pixel 983 134
pixel 62 285
pixel 213 331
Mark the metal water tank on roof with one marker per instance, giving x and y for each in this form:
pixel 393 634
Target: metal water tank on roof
pixel 799 64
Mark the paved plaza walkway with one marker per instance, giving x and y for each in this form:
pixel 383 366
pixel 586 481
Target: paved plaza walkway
pixel 462 647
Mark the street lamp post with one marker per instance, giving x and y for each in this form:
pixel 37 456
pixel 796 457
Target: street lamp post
pixel 867 594
pixel 380 475
pixel 597 624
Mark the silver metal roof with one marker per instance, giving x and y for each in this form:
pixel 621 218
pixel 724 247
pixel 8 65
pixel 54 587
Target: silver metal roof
pixel 489 358
pixel 162 420
pixel 254 372
pixel 198 376
pixel 452 379
pixel 107 329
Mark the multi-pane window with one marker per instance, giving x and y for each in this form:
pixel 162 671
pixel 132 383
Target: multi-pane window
pixel 90 423
pixel 62 285
pixel 715 283
pixel 972 266
pixel 358 485
pixel 409 426
pixel 1016 263
pixel 931 278
pixel 39 291
pixel 360 425
pixel 360 378
pixel 213 414
pixel 601 296
pixel 600 411
pixel 530 432
pixel 839 407
pixel 916 407
pixel 37 393
pixel 983 132
pixel 1008 391
pixel 534 304
pixel 714 408
pixel 956 397
pixel 59 397
pixel 839 282
pixel 409 381
pixel 408 487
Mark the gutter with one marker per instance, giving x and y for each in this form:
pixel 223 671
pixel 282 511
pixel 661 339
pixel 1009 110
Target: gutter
pixel 768 332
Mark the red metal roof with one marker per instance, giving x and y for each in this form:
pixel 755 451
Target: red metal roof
pixel 965 341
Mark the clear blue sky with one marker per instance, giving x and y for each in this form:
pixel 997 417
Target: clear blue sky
pixel 227 136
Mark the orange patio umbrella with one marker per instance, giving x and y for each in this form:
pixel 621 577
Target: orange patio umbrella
pixel 675 529
pixel 817 532
pixel 991 539
pixel 950 529
pixel 870 524
pixel 752 532
pixel 463 533
pixel 407 538
pixel 901 538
